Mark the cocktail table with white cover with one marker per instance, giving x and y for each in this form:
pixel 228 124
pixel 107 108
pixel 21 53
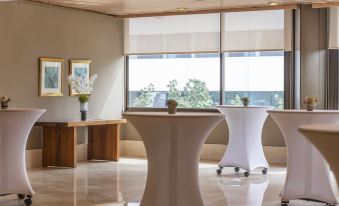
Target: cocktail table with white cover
pixel 173 144
pixel 244 148
pixel 325 137
pixel 308 175
pixel 15 126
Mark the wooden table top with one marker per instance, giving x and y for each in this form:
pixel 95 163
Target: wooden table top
pixel 79 123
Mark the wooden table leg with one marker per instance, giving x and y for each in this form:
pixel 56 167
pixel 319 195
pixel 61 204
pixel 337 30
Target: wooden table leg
pixel 59 146
pixel 103 142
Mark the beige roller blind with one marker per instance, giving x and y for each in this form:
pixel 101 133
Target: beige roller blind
pixel 333 28
pixel 257 30
pixel 173 34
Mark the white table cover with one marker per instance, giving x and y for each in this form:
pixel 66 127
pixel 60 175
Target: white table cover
pixel 308 174
pixel 173 144
pixel 15 125
pixel 244 148
pixel 325 137
pixel 244 192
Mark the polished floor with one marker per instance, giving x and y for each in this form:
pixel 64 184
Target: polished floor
pixel 122 184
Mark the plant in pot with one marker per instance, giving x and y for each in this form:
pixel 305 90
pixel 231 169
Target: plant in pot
pixel 172 106
pixel 4 102
pixel 83 88
pixel 245 101
pixel 310 102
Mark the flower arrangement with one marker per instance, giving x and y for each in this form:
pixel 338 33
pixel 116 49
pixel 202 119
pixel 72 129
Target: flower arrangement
pixel 172 106
pixel 4 102
pixel 82 86
pixel 245 101
pixel 310 102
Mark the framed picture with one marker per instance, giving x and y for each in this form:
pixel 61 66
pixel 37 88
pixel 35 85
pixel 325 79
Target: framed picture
pixel 79 68
pixel 50 77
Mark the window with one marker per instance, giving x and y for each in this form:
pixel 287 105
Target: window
pixel 257 75
pixel 191 79
pixel 204 60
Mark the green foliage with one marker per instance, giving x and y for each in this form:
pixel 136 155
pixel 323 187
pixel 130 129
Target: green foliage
pixel 84 97
pixel 146 96
pixel 196 95
pixel 236 100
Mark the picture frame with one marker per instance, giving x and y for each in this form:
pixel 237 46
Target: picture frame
pixel 50 77
pixel 79 68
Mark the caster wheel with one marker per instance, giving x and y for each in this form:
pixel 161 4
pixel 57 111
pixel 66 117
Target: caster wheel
pixel 284 203
pixel 247 174
pixel 21 196
pixel 236 169
pixel 218 171
pixel 264 171
pixel 28 202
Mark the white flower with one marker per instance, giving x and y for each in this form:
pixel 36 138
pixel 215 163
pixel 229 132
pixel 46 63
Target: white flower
pixel 82 85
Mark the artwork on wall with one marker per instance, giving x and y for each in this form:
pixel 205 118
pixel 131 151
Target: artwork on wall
pixel 79 68
pixel 50 77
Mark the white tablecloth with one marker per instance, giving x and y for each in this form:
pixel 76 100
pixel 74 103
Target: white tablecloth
pixel 325 137
pixel 15 125
pixel 308 174
pixel 244 148
pixel 173 144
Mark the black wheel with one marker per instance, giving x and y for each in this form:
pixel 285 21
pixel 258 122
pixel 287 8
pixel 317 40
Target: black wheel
pixel 284 203
pixel 21 196
pixel 264 171
pixel 28 202
pixel 247 174
pixel 236 169
pixel 218 171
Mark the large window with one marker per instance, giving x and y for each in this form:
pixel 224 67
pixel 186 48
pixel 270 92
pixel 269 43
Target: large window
pixel 257 75
pixel 205 60
pixel 191 79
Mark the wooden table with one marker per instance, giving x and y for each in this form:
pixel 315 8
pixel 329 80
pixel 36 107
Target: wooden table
pixel 60 140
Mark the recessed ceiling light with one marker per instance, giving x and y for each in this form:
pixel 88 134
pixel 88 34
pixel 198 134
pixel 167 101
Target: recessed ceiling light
pixel 182 9
pixel 273 3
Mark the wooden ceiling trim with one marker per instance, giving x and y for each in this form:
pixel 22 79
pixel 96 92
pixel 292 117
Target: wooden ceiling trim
pixel 69 7
pixel 324 5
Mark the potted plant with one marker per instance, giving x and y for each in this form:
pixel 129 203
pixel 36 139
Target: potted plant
pixel 172 106
pixel 4 102
pixel 83 88
pixel 245 101
pixel 310 102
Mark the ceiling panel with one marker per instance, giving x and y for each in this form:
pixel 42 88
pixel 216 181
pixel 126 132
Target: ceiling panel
pixel 130 8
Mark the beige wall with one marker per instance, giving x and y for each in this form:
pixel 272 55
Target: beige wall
pixel 29 31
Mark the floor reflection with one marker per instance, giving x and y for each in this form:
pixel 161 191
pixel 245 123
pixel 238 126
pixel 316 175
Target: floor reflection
pixel 244 191
pixel 123 184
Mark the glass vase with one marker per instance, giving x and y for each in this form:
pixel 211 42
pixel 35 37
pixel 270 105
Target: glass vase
pixel 83 110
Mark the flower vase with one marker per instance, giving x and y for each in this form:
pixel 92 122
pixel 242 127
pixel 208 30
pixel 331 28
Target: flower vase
pixel 309 107
pixel 4 105
pixel 172 109
pixel 245 104
pixel 83 110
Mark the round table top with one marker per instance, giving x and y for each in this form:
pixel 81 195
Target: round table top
pixel 14 109
pixel 326 128
pixel 178 114
pixel 243 107
pixel 298 111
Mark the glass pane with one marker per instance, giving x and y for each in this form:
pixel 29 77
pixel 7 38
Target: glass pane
pixel 257 75
pixel 191 79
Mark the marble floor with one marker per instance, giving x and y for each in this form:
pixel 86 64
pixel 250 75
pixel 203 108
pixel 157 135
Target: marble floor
pixel 122 184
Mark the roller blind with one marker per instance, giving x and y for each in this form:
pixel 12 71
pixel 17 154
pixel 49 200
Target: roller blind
pixel 257 30
pixel 172 34
pixel 333 28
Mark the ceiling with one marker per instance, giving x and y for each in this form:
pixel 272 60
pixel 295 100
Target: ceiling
pixel 135 8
